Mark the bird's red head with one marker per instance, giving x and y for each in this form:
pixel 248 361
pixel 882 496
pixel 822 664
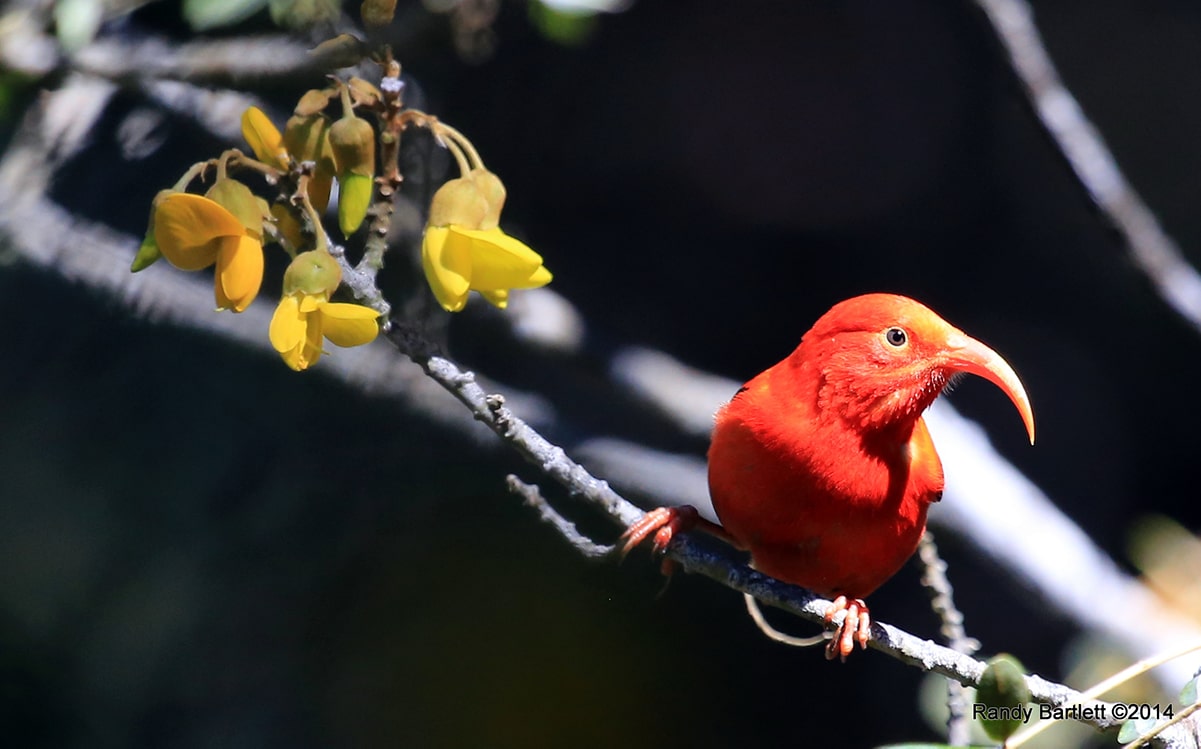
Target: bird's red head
pixel 882 359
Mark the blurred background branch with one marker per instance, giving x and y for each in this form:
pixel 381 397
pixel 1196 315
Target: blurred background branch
pixel 1081 145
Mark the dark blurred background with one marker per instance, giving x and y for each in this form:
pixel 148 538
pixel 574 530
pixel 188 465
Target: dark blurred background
pixel 201 548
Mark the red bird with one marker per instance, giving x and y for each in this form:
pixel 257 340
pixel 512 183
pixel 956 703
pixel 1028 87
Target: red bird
pixel 822 467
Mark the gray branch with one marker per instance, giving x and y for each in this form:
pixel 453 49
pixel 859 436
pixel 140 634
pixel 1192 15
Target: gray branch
pixel 549 515
pixel 934 579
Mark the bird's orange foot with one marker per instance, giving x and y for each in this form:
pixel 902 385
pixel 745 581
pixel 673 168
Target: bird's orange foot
pixel 661 523
pixel 855 627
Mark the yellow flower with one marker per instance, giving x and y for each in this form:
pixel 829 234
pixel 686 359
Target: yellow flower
pixel 305 315
pixel 464 247
pixel 194 232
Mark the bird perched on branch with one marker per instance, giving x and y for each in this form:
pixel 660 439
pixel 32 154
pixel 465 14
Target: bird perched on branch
pixel 822 467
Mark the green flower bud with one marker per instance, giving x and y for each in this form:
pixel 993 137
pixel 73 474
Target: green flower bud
pixel 460 202
pixel 354 198
pixel 237 198
pixel 353 142
pixel 305 137
pixel 493 191
pixel 148 252
pixel 314 273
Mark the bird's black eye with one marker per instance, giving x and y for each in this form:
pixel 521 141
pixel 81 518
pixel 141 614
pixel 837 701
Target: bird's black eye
pixel 895 337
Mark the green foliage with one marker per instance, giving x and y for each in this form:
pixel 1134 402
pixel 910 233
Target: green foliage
pixel 203 15
pixel 301 14
pixel 1134 728
pixel 1003 686
pixel 15 89
pixel 1188 695
pixel 569 28
pixel 76 22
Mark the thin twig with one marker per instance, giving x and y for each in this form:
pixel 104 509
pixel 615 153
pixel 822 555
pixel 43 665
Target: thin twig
pixel 361 282
pixel 549 515
pixel 934 580
pixel 1181 716
pixel 1121 677
pixel 1081 145
pixel 389 180
pixel 752 608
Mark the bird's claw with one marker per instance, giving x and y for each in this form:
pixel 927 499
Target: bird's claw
pixel 661 523
pixel 855 627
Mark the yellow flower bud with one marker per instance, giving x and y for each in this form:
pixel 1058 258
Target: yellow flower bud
pixel 312 273
pixel 263 138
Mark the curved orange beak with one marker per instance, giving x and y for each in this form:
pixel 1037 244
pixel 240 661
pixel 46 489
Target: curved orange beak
pixel 966 354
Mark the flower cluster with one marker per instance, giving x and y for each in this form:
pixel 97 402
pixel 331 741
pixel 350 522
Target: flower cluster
pixel 226 226
pixel 463 247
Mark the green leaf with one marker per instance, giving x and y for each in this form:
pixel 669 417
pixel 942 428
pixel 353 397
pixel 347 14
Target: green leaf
pixel 569 28
pixel 1132 729
pixel 302 14
pixel 203 15
pixel 1188 695
pixel 1002 691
